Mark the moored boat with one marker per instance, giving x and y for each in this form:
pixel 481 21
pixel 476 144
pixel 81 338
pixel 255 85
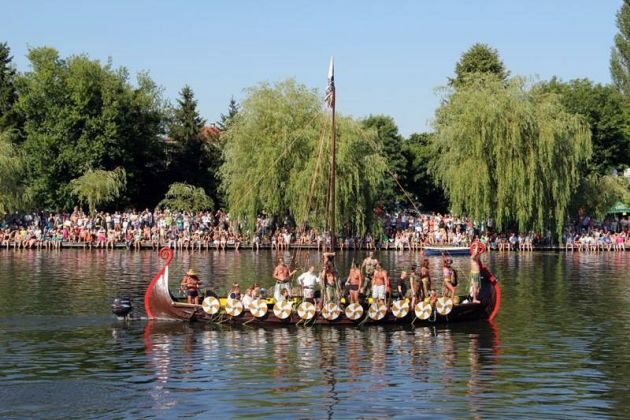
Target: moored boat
pixel 161 304
pixel 453 251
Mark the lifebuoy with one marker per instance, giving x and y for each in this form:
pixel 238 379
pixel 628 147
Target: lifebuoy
pixel 400 308
pixel 423 310
pixel 377 311
pixel 444 305
pixel 354 311
pixel 258 308
pixel 211 305
pixel 331 311
pixel 282 309
pixel 306 310
pixel 234 307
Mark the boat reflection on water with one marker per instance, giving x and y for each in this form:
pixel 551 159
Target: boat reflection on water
pixel 244 366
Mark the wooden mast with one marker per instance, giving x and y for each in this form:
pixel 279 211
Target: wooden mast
pixel 331 101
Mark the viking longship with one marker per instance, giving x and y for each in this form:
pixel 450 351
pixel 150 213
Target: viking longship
pixel 161 304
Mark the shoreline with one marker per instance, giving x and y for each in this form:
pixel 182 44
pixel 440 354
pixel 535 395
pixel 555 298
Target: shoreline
pixel 310 247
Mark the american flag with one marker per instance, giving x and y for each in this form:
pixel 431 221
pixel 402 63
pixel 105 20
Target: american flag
pixel 330 90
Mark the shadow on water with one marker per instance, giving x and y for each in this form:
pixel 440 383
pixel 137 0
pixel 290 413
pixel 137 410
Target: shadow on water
pixel 319 371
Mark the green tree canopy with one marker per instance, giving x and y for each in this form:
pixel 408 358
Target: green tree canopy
pixel 480 58
pixel 193 158
pixel 78 115
pixel 510 153
pixel 12 187
pixel 97 187
pixel 387 136
pixel 598 193
pixel 607 114
pixel 182 196
pixel 8 94
pixel 276 160
pixel 225 120
pixel 620 55
pixel 419 179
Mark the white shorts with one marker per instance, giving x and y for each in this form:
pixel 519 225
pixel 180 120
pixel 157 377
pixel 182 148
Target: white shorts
pixel 308 293
pixel 378 292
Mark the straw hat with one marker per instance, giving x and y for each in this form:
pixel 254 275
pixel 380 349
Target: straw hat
pixel 191 273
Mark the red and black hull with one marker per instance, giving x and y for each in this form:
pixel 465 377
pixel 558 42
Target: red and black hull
pixel 161 305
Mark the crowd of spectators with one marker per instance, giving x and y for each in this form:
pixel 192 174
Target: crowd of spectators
pixel 404 230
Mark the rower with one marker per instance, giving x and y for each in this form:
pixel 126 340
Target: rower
pixel 475 276
pixel 281 273
pixel 368 266
pixel 190 283
pixel 235 292
pixel 307 281
pixel 449 282
pixel 355 283
pixel 380 283
pixel 425 280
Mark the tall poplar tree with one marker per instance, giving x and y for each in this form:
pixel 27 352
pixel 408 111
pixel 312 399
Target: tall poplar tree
pixel 8 93
pixel 620 55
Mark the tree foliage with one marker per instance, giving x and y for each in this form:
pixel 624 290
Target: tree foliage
pixel 510 153
pixel 387 136
pixel 8 94
pixel 276 160
pixel 478 59
pixel 620 54
pixel 186 197
pixel 225 120
pixel 12 188
pixel 97 187
pixel 79 115
pixel 419 180
pixel 193 158
pixel 608 116
pixel 598 193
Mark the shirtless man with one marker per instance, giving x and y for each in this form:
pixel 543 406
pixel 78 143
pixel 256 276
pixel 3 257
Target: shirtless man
pixel 190 283
pixel 355 283
pixel 368 266
pixel 281 273
pixel 380 283
pixel 475 276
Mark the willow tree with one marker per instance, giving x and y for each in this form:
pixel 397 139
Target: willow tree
pixel 276 160
pixel 13 192
pixel 182 196
pixel 96 187
pixel 509 152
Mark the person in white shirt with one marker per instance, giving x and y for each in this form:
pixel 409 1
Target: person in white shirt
pixel 307 281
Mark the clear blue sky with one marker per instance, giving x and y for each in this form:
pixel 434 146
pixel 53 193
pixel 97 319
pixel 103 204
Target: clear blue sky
pixel 389 55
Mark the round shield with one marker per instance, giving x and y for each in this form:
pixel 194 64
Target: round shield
pixel 354 311
pixel 377 311
pixel 444 305
pixel 423 310
pixel 282 309
pixel 211 305
pixel 258 308
pixel 400 308
pixel 234 307
pixel 306 310
pixel 331 311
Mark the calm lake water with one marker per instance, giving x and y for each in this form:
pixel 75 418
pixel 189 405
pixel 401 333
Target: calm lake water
pixel 560 346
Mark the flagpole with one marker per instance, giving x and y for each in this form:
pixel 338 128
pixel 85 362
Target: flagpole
pixel 331 100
